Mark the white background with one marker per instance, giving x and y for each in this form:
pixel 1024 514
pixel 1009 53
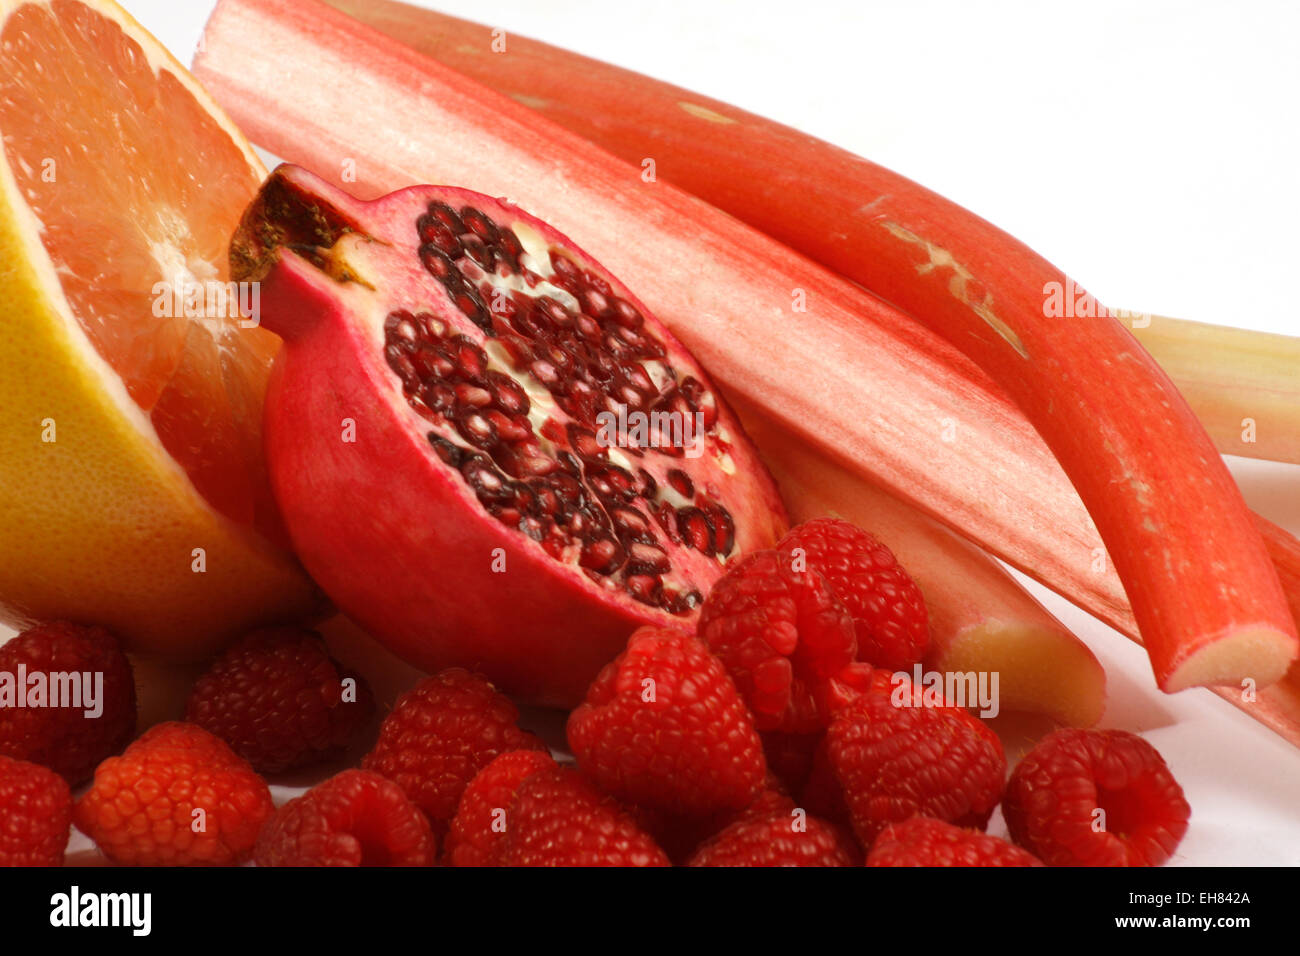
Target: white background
pixel 1150 149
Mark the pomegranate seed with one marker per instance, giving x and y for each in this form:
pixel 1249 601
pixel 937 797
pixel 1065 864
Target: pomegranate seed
pixel 598 283
pixel 428 364
pixel 477 430
pixel 508 394
pixel 565 269
pixel 666 517
pixel 477 250
pixel 509 429
pixel 430 325
pixel 637 376
pixel 470 359
pixel 681 483
pixel 647 558
pixel 649 487
pixel 584 441
pixel 545 373
pixel 510 242
pixel 626 314
pixel 588 328
pixel 520 352
pixel 480 224
pixel 487 484
pixel 555 311
pixel 602 555
pixel 447 216
pixel 622 481
pixel 595 305
pixel 438 397
pixel 472 396
pixel 469 302
pixel 507 516
pixel 449 453
pixel 399 360
pixel 400 325
pixel 437 263
pixel 724 529
pixel 696 529
pixel 439 236
pixel 631 524
pixel 643 587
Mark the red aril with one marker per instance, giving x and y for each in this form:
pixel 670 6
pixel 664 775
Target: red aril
pixel 487 452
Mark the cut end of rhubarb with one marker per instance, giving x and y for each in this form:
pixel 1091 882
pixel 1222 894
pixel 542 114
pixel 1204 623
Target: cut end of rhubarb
pixel 1041 670
pixel 1261 654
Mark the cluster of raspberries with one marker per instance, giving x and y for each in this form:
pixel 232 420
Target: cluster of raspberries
pixel 769 737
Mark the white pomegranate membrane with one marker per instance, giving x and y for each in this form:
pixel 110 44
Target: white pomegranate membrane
pixel 519 415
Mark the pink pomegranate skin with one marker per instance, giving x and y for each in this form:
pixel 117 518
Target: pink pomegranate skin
pixel 394 535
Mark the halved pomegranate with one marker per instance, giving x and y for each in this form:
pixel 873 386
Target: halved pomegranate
pixel 487 452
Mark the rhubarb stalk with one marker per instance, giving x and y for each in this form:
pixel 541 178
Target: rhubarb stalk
pixel 830 362
pixel 1243 385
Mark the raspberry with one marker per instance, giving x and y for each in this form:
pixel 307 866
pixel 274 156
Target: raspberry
pixel 278 699
pixel 144 806
pixel 1055 791
pixel 664 727
pixel 924 841
pixel 35 814
pixel 441 733
pixel 559 819
pixel 889 616
pixel 894 761
pixel 782 838
pixel 356 818
pixel 782 635
pixel 477 833
pixel 64 738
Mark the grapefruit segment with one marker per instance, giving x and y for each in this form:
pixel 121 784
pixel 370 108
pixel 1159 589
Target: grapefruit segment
pixel 133 491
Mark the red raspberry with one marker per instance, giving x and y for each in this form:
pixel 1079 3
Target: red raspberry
pixel 783 635
pixel 278 699
pixel 559 819
pixel 1055 791
pixel 441 733
pixel 356 818
pixel 781 838
pixel 924 841
pixel 35 814
pixel 477 833
pixel 894 761
pixel 663 727
pixel 64 738
pixel 143 807
pixel 889 616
